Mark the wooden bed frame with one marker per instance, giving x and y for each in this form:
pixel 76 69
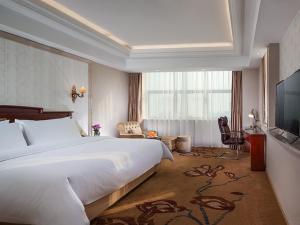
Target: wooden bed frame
pixel 11 112
pixel 94 209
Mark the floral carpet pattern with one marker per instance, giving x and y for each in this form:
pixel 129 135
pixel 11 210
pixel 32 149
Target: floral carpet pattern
pixel 206 192
pixel 203 152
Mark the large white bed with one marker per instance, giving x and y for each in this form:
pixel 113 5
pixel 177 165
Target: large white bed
pixel 52 183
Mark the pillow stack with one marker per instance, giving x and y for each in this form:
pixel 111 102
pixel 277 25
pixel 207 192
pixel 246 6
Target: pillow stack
pixel 11 136
pixel 43 132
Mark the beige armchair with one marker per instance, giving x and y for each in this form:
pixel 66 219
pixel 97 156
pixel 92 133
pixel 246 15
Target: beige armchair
pixel 131 129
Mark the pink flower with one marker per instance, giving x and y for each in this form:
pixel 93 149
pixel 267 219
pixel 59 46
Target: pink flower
pixel 96 126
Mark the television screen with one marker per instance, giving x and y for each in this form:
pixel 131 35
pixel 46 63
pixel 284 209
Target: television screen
pixel 288 104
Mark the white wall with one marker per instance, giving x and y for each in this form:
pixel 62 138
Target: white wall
pixel 283 164
pixel 109 97
pixel 290 49
pixel 250 94
pixel 34 77
pixel 283 169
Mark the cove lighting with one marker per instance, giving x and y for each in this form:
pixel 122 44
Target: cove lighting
pixel 84 21
pixel 191 45
pixel 65 10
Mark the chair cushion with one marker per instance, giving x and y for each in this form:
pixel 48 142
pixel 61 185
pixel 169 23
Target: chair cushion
pixel 232 141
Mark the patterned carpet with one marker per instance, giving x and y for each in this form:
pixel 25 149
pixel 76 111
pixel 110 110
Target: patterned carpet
pixel 199 189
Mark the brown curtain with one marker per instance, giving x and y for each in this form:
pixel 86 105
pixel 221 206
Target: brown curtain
pixel 236 101
pixel 135 97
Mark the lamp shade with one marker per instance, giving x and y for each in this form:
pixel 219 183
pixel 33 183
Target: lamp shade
pixel 82 90
pixel 253 114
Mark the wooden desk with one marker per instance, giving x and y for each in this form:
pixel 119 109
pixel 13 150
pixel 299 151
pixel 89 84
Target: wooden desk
pixel 256 143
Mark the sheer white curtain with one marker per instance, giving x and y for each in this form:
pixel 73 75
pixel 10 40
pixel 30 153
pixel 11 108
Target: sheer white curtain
pixel 187 103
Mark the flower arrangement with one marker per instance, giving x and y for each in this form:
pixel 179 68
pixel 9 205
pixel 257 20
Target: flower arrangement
pixel 96 129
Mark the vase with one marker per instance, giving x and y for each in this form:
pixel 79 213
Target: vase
pixel 96 132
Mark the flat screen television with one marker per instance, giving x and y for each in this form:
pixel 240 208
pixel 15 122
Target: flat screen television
pixel 288 104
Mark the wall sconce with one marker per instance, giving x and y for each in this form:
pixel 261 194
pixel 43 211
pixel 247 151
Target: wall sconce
pixel 74 93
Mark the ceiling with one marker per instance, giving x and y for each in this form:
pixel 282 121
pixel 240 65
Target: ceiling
pixel 158 22
pixel 143 35
pixel 273 21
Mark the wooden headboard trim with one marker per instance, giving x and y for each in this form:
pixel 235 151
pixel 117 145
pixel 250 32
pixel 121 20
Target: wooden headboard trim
pixel 12 112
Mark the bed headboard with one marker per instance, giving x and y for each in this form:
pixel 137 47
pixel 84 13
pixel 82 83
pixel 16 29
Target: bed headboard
pixel 12 112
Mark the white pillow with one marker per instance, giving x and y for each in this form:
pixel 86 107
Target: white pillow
pixel 49 131
pixel 11 136
pixel 4 122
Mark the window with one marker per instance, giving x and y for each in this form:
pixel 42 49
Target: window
pixel 203 95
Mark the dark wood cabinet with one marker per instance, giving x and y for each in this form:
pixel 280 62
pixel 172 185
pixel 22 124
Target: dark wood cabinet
pixel 256 141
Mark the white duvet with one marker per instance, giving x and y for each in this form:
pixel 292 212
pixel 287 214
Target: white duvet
pixel 49 185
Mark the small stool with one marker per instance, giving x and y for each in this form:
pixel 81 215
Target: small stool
pixel 184 144
pixel 169 141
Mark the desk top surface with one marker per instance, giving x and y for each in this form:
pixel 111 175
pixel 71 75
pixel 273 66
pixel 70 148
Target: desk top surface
pixel 254 132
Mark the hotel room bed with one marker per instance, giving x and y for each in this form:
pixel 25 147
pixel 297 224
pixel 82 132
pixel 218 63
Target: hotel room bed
pixel 62 183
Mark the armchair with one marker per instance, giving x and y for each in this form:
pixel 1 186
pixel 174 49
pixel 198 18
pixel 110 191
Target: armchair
pixel 131 129
pixel 231 138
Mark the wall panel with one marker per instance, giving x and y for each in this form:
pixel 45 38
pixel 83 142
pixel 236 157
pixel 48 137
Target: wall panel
pixel 34 77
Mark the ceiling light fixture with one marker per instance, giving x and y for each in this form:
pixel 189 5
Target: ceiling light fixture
pixel 84 21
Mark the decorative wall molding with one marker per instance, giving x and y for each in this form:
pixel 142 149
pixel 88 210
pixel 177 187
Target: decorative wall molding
pixel 188 64
pixel 251 13
pixel 34 44
pixel 25 22
pixel 46 17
